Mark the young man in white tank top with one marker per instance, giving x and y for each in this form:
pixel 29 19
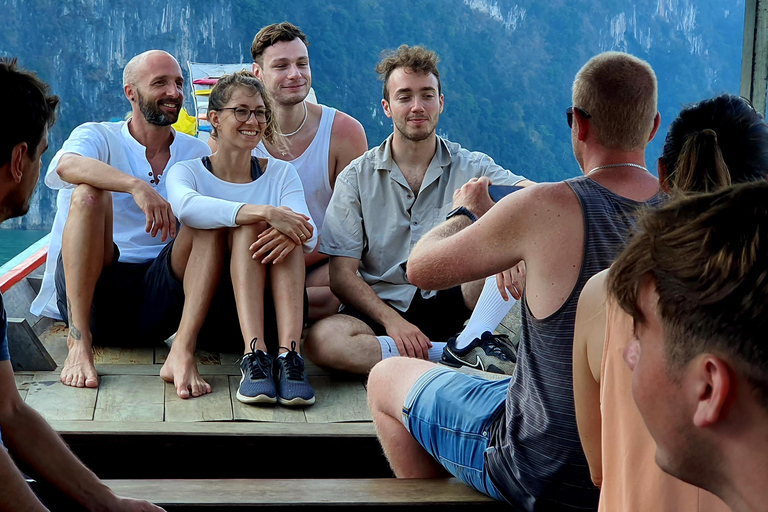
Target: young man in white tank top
pixel 322 141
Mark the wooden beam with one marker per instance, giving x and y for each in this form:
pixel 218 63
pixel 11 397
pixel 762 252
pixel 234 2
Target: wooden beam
pixel 754 62
pixel 27 353
pixel 311 492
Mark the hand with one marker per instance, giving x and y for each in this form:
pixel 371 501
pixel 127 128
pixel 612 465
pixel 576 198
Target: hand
pixel 410 341
pixel 294 225
pixel 272 245
pixel 512 280
pixel 473 195
pixel 158 211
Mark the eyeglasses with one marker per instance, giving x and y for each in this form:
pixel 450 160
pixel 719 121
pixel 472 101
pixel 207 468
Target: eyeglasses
pixel 569 114
pixel 243 114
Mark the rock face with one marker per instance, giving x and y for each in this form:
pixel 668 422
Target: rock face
pixel 506 65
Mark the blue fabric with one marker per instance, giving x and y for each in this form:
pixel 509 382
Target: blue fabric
pixel 4 355
pixel 449 414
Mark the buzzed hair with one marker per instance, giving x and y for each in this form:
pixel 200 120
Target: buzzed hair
pixel 272 34
pixel 131 71
pixel 620 92
pixel 29 108
pixel 415 58
pixel 708 257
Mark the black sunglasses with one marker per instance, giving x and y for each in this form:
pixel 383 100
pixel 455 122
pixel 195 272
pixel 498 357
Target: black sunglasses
pixel 569 114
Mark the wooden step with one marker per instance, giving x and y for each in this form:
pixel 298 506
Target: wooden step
pixel 175 494
pixel 226 449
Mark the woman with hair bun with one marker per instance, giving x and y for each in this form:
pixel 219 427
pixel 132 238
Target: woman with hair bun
pixel 245 227
pixel 709 145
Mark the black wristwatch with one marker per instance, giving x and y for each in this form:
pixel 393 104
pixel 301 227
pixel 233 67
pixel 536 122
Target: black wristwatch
pixel 461 210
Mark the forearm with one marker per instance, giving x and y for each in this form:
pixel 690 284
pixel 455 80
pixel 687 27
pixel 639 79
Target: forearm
pixel 429 242
pixel 253 213
pixel 32 440
pixel 81 170
pixel 354 292
pixel 16 493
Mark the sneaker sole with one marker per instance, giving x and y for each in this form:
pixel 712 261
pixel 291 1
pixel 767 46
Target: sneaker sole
pixel 258 399
pixel 294 402
pixel 478 373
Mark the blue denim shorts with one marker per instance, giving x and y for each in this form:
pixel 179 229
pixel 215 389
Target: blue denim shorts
pixel 449 414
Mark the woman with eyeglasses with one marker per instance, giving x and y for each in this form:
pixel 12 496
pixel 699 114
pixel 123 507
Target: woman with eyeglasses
pixel 245 226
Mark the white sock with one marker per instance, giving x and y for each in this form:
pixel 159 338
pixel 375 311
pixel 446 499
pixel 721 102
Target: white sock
pixel 389 349
pixel 490 310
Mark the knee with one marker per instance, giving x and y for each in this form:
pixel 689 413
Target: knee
pixel 313 345
pixel 89 198
pixel 250 230
pixel 380 384
pixel 208 235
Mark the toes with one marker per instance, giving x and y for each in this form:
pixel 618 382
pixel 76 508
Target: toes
pixel 91 382
pixel 80 381
pixel 183 392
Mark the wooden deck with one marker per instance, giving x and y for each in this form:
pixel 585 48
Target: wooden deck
pixel 131 391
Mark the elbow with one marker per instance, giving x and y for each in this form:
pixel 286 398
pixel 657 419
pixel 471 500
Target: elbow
pixel 597 480
pixel 417 273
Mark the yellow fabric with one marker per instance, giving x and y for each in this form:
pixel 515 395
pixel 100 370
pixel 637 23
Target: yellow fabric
pixel 203 92
pixel 186 123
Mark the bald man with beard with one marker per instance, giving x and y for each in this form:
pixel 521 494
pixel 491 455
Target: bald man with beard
pixel 106 274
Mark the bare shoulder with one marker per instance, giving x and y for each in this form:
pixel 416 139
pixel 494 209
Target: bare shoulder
pixel 347 128
pixel 593 297
pixel 542 203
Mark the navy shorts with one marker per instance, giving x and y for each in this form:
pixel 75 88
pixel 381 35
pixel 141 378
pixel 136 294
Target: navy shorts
pixel 439 317
pixel 134 304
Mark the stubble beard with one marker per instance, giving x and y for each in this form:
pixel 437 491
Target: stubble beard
pixel 152 113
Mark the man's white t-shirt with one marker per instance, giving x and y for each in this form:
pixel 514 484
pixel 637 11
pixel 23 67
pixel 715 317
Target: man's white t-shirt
pixel 113 144
pixel 200 200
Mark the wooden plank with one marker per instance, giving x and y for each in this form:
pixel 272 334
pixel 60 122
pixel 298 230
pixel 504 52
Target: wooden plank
pixel 55 401
pixel 215 406
pixel 22 384
pixel 202 356
pixel 123 355
pixel 361 491
pixel 272 413
pixel 230 359
pixel 26 351
pixel 130 398
pixel 214 429
pixel 55 341
pixel 17 301
pixel 154 369
pixel 337 401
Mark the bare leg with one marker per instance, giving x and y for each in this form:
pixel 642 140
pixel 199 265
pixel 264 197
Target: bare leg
pixel 196 259
pixel 322 302
pixel 471 292
pixel 287 282
pixel 248 281
pixel 86 248
pixel 343 343
pixel 388 385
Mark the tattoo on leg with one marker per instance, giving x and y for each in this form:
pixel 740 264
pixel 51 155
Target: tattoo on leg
pixel 74 332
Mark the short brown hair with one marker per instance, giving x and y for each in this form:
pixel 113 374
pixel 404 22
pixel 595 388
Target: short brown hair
pixel 272 34
pixel 222 93
pixel 29 108
pixel 620 92
pixel 416 58
pixel 708 256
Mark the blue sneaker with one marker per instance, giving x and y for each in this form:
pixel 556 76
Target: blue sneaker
pixel 293 387
pixel 256 385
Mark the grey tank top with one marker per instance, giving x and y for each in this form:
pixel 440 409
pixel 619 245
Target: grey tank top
pixel 536 460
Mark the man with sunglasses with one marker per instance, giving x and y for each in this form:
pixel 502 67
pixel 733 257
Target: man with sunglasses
pixel 516 440
pixel 321 141
pixel 105 274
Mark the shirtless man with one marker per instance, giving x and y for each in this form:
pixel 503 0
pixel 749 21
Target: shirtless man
pixel 29 112
pixel 113 222
pixel 322 141
pixel 516 440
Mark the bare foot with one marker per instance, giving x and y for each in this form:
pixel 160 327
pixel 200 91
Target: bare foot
pixel 79 370
pixel 181 369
